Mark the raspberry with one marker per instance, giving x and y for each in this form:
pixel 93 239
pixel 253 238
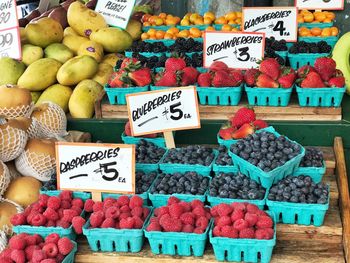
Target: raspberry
pixel 217 231
pixel 135 201
pixel 138 222
pixel 127 223
pixel 224 221
pixel 228 231
pixel 112 212
pixel 108 223
pixel 154 226
pixel 187 218
pixel 264 222
pixel 171 225
pixel 54 202
pixel 237 214
pixel 224 209
pixel 6 253
pixel 186 206
pixel 36 207
pixel 124 209
pixel 137 211
pixel 196 203
pixel 50 250
pixel 27 211
pixel 173 200
pixel 30 240
pixel 145 212
pixel 214 211
pixel 18 256
pixel 123 200
pixel 161 211
pixel 187 228
pixel 48 260
pixel 88 206
pixel 17 242
pixel 124 215
pixel 263 234
pixel 251 219
pixel 202 223
pixel 62 223
pixel 107 204
pixel 78 202
pixel 30 216
pixel 38 256
pixel 51 214
pixel 69 214
pixel 78 222
pixel 65 204
pixel 18 219
pixel 38 238
pixel 176 210
pixel 261 213
pixel 199 211
pixel 52 238
pixel 117 225
pixel 240 224
pixel 60 257
pixel 247 233
pixel 50 223
pixel 43 200
pixel 239 206
pixel 198 230
pixel 77 209
pixel 110 199
pixel 60 212
pixel 66 195
pixel 98 206
pixel 6 260
pixel 30 250
pixel 65 246
pixel 251 208
pixel 96 219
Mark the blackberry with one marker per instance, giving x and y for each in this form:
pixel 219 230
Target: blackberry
pixel 305 47
pixel 276 45
pixel 324 47
pixel 148 152
pixel 223 158
pixel 313 158
pixel 50 185
pixel 143 181
pixel 192 154
pixel 183 45
pixel 118 64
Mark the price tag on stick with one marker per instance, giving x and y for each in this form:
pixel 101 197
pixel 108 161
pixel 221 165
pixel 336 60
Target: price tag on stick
pixel 163 111
pixel 10 43
pixel 277 22
pixel 320 4
pixel 8 14
pixel 238 50
pixel 96 168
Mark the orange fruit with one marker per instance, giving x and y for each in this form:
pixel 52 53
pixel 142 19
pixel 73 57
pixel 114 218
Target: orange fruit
pixel 195 32
pixel 230 16
pixel 170 22
pixel 210 28
pixel 173 30
pixel 185 22
pixel 221 20
pixel 187 16
pixel 193 17
pixel 160 34
pixel 183 33
pixel 145 17
pixel 316 31
pixel 334 31
pixel 326 32
pixel 226 28
pixel 303 32
pixel 162 15
pixel 330 15
pixel 151 19
pixel 177 19
pixel 168 36
pixel 144 36
pixel 300 19
pixel 320 16
pixel 235 29
pixel 308 18
pixel 207 21
pixel 152 32
pixel 199 21
pixel 238 21
pixel 153 38
pixel 327 20
pixel 146 24
pixel 304 12
pixel 239 14
pixel 209 15
pixel 158 21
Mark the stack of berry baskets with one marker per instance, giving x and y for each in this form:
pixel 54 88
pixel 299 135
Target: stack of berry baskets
pixel 179 228
pixel 131 77
pixel 148 156
pixel 119 227
pixel 186 187
pixel 328 34
pixel 266 156
pixel 321 85
pixel 299 200
pixel 223 162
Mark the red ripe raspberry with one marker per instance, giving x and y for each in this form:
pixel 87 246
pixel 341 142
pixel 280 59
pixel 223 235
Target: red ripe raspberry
pixel 108 203
pixel 48 260
pixel 108 223
pixel 50 223
pixel 224 221
pixel 96 219
pixel 176 210
pixel 195 203
pixel 154 226
pixel 38 238
pixel 161 211
pixel 237 214
pixel 214 211
pixel 98 206
pixel 224 209
pixel 50 250
pixel 247 233
pixel 30 240
pixel 38 256
pixel 78 222
pixel 187 228
pixel 38 220
pixel 229 231
pixel 51 214
pixel 43 200
pixel 17 242
pixel 54 202
pixel 18 219
pixel 202 223
pixel 63 224
pixel 173 200
pixel 6 254
pixel 124 209
pixel 69 214
pixel 240 224
pixel 123 200
pixel 263 233
pixel 138 222
pixel 52 238
pixel 66 195
pixel 217 231
pixel 78 209
pixel 198 230
pixel 264 222
pixel 188 218
pixel 145 212
pixel 239 206
pixel 66 204
pixel 251 208
pixel 65 246
pixel 88 206
pixel 186 206
pixel 78 202
pixel 18 256
pixel 171 224
pixel 261 213
pixel 251 219
pixel 127 223
pixel 112 212
pixel 135 201
pixel 137 211
pixel 30 250
pixel 199 211
pixel 124 215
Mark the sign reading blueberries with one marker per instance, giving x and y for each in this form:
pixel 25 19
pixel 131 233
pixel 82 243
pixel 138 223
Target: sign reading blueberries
pixel 163 110
pixel 95 167
pixel 237 50
pixel 320 4
pixel 277 22
pixel 116 12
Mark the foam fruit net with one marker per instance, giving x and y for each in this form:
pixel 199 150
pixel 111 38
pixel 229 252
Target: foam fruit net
pixel 19 111
pixel 4 179
pixel 12 143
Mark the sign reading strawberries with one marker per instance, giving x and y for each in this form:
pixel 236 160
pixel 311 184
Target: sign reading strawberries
pixel 320 4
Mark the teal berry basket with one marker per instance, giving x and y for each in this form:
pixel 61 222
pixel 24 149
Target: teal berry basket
pixel 153 88
pixel 159 141
pixel 227 143
pixel 298 60
pixel 144 196
pixel 130 54
pixel 159 200
pixel 312 25
pixel 117 95
pixel 267 179
pixel 200 27
pixel 150 167
pixel 177 243
pixel 316 173
pixel 182 168
pixel 268 96
pixel 219 26
pixel 70 257
pixel 224 169
pixel 166 42
pixel 225 96
pixel 163 28
pixel 330 40
pixel 82 195
pixel 282 54
pixel 243 249
pixel 115 240
pixel 320 97
pixel 299 213
pixel 200 70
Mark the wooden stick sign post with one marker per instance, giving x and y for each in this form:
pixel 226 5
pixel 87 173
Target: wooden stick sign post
pixel 96 168
pixel 163 111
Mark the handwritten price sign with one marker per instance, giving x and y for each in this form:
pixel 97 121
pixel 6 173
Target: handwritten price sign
pixel 320 4
pixel 10 43
pixel 8 14
pixel 280 23
pixel 237 50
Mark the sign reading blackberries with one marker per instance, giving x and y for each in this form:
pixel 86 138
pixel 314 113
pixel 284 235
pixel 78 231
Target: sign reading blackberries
pixel 95 167
pixel 163 110
pixel 320 4
pixel 116 12
pixel 237 50
pixel 277 22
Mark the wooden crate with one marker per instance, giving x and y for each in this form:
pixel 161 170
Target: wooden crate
pixel 293 112
pixel 295 244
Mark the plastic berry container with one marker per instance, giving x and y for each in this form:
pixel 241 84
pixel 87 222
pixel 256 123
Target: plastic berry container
pixel 163 28
pixel 227 143
pixel 282 54
pixel 115 240
pixel 312 25
pixel 177 243
pixel 130 54
pixel 268 96
pixel 298 60
pixel 320 97
pixel 150 167
pixel 159 141
pixel 219 26
pixel 330 40
pixel 267 179
pixel 70 257
pixel 117 95
pixel 225 96
pixel 243 249
pixel 316 173
pixel 200 27
pixel 82 195
pixel 224 168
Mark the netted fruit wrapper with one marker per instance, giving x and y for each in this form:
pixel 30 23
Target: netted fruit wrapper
pixel 5 178
pixel 15 112
pixel 12 143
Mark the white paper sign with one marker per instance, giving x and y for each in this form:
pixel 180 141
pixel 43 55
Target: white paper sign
pixel 96 167
pixel 116 12
pixel 8 14
pixel 277 22
pixel 238 50
pixel 320 4
pixel 10 43
pixel 164 110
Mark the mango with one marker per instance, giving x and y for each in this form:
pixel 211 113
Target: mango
pixel 112 59
pixel 11 70
pixel 23 36
pixel 112 39
pixel 40 74
pixel 92 49
pixel 31 53
pixel 35 95
pixel 74 42
pixel 81 103
pixel 103 74
pixel 57 94
pixel 69 31
pixel 44 32
pixel 134 28
pixel 83 20
pixel 59 52
pixel 77 69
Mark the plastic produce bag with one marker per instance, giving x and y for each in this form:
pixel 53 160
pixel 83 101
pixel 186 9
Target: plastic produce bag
pixel 218 7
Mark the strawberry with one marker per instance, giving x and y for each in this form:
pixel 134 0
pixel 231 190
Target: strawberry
pixel 325 67
pixel 127 129
pixel 119 79
pixel 204 79
pixel 338 82
pixel 217 66
pixel 287 78
pixel 242 116
pixel 244 131
pixel 250 76
pixel 141 77
pixel 173 64
pixel 271 68
pixel 222 79
pixel 264 81
pixel 189 76
pixel 312 80
pixel 304 70
pixel 128 61
pixel 226 133
pixel 169 79
pixel 260 124
pixel 237 76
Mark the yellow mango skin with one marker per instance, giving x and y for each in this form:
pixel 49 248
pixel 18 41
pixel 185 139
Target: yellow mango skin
pixel 11 70
pixel 69 31
pixel 83 20
pixel 112 39
pixel 112 59
pixel 82 101
pixel 40 74
pixel 77 69
pixel 59 52
pixel 103 74
pixel 74 42
pixel 91 48
pixel 31 53
pixel 57 94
